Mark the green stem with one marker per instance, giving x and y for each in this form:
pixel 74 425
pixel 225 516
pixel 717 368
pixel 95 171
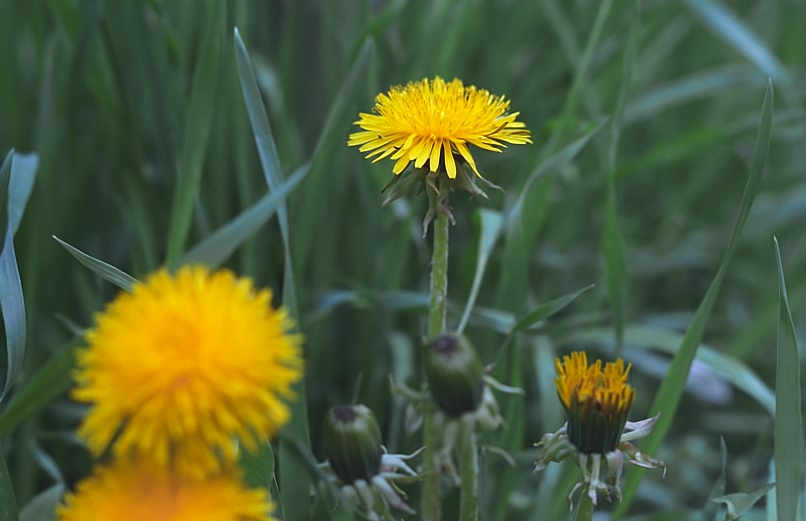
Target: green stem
pixel 469 473
pixel 432 501
pixel 584 510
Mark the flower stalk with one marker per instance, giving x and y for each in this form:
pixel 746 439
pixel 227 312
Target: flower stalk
pixel 431 505
pixel 469 473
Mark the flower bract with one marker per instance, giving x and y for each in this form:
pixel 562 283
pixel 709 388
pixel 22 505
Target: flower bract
pixel 597 401
pixel 433 122
pixel 184 364
pixel 127 492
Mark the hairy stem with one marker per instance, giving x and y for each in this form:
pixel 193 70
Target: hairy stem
pixel 469 473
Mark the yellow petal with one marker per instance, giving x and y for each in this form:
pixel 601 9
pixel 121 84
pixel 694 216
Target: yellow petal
pixel 450 164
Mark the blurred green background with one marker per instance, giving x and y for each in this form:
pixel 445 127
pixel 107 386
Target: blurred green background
pixel 658 100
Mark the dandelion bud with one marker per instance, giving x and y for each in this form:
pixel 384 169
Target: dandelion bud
pixel 454 374
pixel 352 442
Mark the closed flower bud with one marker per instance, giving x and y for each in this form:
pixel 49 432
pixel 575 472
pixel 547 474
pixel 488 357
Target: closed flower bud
pixel 352 442
pixel 454 373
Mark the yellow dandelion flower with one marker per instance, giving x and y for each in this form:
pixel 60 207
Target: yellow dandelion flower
pixel 433 122
pixel 597 402
pixel 127 492
pixel 179 367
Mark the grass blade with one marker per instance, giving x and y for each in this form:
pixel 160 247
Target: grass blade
pixel 43 506
pixel 106 271
pixel 197 129
pixel 491 223
pixel 218 246
pixel 671 389
pixel 788 435
pixel 16 181
pixel 51 380
pixel 739 503
pixel 547 309
pixel 8 503
pixel 730 28
pixel 612 238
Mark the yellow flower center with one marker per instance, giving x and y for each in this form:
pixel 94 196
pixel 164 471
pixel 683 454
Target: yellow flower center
pixel 588 387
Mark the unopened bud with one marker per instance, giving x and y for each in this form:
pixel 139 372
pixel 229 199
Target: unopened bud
pixel 454 374
pixel 352 442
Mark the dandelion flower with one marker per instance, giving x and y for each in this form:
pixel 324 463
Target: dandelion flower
pixel 596 403
pixel 433 122
pixel 127 492
pixel 184 364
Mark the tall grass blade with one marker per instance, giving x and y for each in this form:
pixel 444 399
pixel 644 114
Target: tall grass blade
pixel 491 223
pixel 106 271
pixel 671 389
pixel 16 181
pixel 8 503
pixel 788 436
pixel 218 246
pixel 197 129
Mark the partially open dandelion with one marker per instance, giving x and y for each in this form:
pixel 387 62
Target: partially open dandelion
pixel 366 474
pixel 597 403
pixel 432 124
pixel 130 492
pixel 180 367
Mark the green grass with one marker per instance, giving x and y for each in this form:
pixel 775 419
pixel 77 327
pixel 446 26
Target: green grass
pixel 151 133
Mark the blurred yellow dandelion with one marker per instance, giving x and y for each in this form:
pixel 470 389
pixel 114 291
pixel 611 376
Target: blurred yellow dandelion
pixel 432 120
pixel 180 367
pixel 127 492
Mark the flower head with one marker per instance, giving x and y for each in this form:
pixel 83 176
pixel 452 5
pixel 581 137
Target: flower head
pixel 129 492
pixel 181 366
pixel 597 403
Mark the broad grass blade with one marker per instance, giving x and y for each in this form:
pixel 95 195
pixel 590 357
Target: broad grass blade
pixel 671 388
pixel 197 129
pixel 42 507
pixel 491 223
pixel 788 445
pixel 106 271
pixel 16 181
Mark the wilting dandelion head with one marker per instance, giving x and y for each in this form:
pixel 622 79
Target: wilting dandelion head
pixel 184 364
pixel 433 122
pixel 128 492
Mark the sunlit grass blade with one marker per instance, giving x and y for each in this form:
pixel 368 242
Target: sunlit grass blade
pixel 218 246
pixel 8 503
pixel 671 388
pixel 48 382
pixel 490 229
pixel 739 503
pixel 736 33
pixel 43 506
pixel 788 445
pixel 197 129
pixel 106 271
pixel 16 181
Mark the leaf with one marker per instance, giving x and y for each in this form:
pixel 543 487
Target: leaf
pixel 671 388
pixel 711 511
pixel 548 309
pixel 218 246
pixel 788 436
pixel 106 271
pixel 8 503
pixel 730 28
pixel 258 468
pixel 740 503
pixel 42 507
pixel 17 176
pixel 197 129
pixel 491 222
pixel 50 381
